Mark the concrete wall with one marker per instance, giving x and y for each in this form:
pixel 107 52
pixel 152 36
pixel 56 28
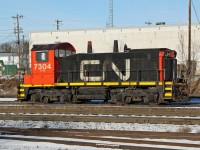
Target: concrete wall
pixel 173 37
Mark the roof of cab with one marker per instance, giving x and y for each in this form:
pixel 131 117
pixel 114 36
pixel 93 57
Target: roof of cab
pixel 64 46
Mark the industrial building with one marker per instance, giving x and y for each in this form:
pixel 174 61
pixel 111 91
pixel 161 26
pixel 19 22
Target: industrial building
pixel 158 36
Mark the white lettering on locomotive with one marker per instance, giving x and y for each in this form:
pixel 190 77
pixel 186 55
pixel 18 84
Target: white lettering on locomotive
pixel 84 77
pixel 83 72
pixel 42 67
pixel 119 73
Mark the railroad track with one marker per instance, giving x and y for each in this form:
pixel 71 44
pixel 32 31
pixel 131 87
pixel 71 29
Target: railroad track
pixel 105 139
pixel 101 109
pixel 106 119
pixel 102 113
pixel 59 120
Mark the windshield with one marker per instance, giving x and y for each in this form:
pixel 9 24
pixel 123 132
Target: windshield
pixel 42 56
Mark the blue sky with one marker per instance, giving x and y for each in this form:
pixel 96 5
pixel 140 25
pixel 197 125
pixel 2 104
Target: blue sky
pixel 79 14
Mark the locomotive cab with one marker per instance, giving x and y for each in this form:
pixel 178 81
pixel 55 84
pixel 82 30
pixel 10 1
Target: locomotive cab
pixel 45 62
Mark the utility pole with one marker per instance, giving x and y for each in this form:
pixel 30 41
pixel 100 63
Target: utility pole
pixel 110 24
pixel 23 53
pixel 58 24
pixel 189 39
pixel 18 30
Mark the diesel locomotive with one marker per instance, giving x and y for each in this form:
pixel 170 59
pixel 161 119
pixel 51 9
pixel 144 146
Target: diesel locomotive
pixel 135 75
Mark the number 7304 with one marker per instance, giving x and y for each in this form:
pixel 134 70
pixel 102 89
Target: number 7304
pixel 42 66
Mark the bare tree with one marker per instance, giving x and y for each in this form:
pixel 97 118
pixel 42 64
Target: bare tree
pixel 182 70
pixel 182 47
pixel 9 47
pixel 25 54
pixel 6 47
pixel 193 80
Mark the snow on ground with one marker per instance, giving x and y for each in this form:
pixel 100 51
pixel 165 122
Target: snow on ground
pixel 99 126
pixel 24 145
pixel 8 99
pixel 45 146
pixel 183 141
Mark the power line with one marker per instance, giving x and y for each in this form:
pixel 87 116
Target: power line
pixel 4 18
pixel 6 38
pixel 6 30
pixel 195 11
pixel 36 22
pixel 4 33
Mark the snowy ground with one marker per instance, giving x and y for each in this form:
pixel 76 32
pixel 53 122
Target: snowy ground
pixel 23 145
pixel 100 126
pixel 8 99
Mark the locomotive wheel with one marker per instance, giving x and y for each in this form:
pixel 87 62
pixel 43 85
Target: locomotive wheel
pixel 127 100
pixel 146 100
pixel 35 98
pixel 46 99
pixel 63 98
pixel 74 99
pixel 113 100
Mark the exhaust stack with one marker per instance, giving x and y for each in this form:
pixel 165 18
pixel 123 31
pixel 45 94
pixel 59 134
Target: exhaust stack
pixel 115 47
pixel 89 47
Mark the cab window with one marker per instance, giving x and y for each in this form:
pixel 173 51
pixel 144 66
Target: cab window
pixel 63 53
pixel 41 56
pixel 56 53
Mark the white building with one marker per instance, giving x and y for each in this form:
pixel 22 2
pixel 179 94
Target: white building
pixel 9 58
pixel 134 37
pixel 161 36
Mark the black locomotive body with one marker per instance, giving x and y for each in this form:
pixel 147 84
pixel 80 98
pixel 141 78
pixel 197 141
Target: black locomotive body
pixel 134 65
pixel 142 75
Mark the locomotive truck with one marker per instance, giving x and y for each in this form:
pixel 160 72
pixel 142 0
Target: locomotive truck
pixel 135 75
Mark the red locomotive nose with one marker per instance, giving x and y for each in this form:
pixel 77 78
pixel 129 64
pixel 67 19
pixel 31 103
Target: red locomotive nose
pixel 45 63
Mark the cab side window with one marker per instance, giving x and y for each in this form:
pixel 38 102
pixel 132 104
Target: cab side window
pixel 56 53
pixel 59 53
pixel 62 53
pixel 42 56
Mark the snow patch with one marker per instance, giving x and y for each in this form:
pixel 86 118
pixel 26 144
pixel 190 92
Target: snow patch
pixel 24 145
pixel 8 99
pixel 98 126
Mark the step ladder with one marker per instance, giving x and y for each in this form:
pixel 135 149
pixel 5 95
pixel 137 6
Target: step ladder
pixel 168 90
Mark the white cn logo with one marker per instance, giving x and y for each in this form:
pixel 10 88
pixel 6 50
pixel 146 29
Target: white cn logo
pixel 84 77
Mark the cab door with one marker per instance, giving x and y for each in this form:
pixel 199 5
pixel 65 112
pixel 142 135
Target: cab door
pixel 43 66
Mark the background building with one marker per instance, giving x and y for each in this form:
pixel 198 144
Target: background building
pixel 159 36
pixel 8 63
pixel 9 58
